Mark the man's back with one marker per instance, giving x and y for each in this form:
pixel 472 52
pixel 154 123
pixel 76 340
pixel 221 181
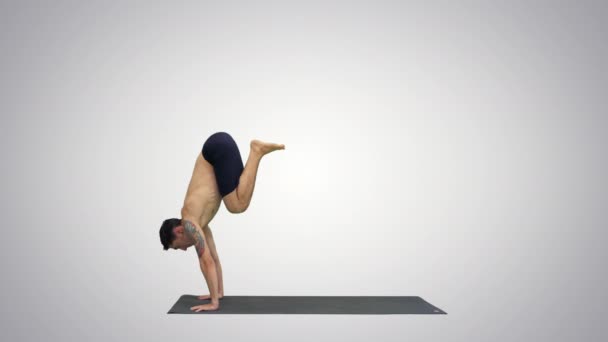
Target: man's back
pixel 202 199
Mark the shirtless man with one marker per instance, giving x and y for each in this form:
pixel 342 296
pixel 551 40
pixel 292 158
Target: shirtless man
pixel 218 176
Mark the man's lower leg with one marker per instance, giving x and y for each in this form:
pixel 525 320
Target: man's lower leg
pixel 258 149
pixel 244 191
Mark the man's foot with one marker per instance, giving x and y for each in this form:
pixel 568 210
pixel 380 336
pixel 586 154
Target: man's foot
pixel 263 148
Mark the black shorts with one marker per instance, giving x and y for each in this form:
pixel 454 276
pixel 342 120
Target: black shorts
pixel 221 151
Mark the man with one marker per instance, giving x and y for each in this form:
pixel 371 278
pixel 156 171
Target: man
pixel 218 176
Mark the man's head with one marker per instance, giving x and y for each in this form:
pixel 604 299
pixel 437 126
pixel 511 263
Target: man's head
pixel 173 235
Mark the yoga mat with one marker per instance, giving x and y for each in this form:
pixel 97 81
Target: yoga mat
pixel 345 305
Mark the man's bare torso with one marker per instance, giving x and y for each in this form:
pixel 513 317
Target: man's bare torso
pixel 203 197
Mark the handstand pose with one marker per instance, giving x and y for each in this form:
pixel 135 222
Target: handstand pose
pixel 218 176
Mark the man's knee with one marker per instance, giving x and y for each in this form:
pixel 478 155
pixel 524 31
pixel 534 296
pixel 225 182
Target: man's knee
pixel 236 207
pixel 241 208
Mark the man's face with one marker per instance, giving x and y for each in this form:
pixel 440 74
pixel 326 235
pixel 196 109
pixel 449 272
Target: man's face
pixel 181 239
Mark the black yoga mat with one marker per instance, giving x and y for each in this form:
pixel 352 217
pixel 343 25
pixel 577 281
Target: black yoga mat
pixel 345 305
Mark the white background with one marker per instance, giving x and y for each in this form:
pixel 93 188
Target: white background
pixel 455 152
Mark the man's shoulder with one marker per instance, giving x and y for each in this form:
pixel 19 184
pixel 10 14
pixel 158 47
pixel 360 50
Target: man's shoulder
pixel 196 232
pixel 189 220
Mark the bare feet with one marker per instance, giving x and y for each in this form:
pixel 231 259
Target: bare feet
pixel 263 148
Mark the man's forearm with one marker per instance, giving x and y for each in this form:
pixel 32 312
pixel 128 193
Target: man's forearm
pixel 209 272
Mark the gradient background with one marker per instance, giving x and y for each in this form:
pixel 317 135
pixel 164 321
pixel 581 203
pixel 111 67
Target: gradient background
pixel 455 152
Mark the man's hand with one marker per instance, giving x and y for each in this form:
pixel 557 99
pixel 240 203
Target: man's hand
pixel 209 296
pixel 205 307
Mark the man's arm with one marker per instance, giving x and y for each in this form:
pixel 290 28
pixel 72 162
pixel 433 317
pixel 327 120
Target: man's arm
pixel 206 262
pixel 198 235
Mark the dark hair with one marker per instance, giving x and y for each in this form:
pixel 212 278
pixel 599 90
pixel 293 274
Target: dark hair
pixel 166 231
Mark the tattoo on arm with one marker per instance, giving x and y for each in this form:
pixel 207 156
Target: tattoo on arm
pixel 198 238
